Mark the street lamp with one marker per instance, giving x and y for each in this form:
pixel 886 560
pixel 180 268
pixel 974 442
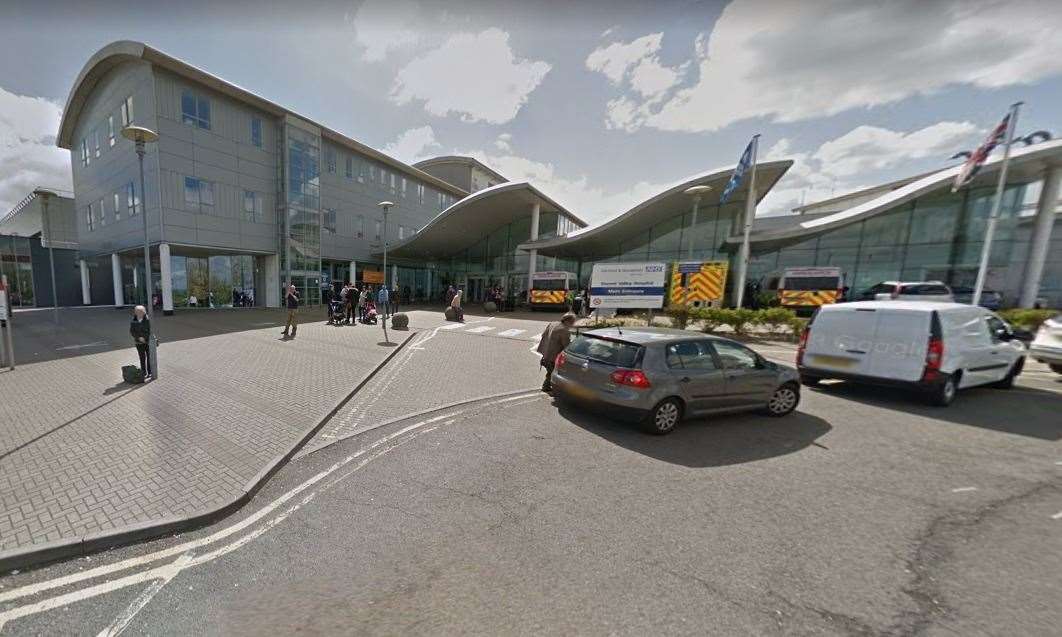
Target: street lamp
pixel 386 207
pixel 696 192
pixel 45 196
pixel 140 136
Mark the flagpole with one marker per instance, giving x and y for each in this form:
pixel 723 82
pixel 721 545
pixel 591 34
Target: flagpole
pixel 750 215
pixel 986 249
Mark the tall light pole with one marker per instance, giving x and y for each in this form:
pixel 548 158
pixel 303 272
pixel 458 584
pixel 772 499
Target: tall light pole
pixel 386 207
pixel 45 196
pixel 141 136
pixel 696 192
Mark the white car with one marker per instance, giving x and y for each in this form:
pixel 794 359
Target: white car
pixel 1047 346
pixel 908 291
pixel 936 348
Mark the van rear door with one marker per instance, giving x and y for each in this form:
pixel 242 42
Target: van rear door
pixel 878 342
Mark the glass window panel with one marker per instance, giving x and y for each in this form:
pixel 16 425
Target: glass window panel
pixel 188 108
pixel 204 113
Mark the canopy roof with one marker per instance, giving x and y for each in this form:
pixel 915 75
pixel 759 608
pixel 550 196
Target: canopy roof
pixel 603 238
pixel 469 220
pixel 1027 165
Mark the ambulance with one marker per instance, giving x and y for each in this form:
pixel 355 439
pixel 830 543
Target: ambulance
pixel 807 288
pixel 549 290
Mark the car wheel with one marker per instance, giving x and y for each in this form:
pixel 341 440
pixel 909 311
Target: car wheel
pixel 1056 368
pixel 1008 381
pixel 664 417
pixel 810 381
pixel 784 400
pixel 944 393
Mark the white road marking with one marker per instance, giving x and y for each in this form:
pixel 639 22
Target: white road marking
pixel 95 344
pixel 451 327
pixel 1057 516
pixel 121 622
pixel 963 489
pixel 480 329
pixel 169 571
pixel 513 332
pixel 534 346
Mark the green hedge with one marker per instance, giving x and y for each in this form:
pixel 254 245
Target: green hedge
pixel 776 320
pixel 1025 318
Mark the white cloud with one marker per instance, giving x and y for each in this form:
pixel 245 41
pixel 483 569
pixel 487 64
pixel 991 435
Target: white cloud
pixel 413 145
pixel 789 61
pixel 495 82
pixel 384 26
pixel 833 167
pixel 636 66
pixel 28 155
pixel 504 142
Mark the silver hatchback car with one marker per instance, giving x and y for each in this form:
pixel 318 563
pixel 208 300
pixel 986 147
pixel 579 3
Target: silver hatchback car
pixel 658 376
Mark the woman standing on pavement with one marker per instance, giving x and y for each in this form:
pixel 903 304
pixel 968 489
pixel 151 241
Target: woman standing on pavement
pixel 140 330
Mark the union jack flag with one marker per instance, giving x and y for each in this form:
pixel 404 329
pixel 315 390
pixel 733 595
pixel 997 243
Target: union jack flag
pixel 979 156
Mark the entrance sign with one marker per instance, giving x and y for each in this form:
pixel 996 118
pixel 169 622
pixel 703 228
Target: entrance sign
pixel 372 276
pixel 628 285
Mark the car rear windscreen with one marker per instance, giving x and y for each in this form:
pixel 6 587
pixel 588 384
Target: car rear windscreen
pixel 605 351
pixel 812 283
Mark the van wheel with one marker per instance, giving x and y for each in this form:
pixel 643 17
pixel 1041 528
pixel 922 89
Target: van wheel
pixel 944 393
pixel 810 381
pixel 1008 381
pixel 664 417
pixel 784 400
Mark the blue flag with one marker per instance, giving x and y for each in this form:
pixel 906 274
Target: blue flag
pixel 739 173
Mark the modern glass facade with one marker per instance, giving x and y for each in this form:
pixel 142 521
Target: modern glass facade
pixel 301 231
pixel 16 264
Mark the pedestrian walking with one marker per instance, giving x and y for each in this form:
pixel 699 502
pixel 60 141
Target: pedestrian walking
pixel 291 301
pixel 363 300
pixel 383 300
pixel 554 340
pixel 140 330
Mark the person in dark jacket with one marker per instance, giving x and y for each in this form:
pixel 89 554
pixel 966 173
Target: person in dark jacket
pixel 140 330
pixel 291 301
pixel 556 337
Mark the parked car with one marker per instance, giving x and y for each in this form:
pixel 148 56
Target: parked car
pixel 659 376
pixel 1046 347
pixel 909 291
pixel 990 299
pixel 935 348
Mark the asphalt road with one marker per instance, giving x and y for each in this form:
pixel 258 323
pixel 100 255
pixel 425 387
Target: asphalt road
pixel 862 513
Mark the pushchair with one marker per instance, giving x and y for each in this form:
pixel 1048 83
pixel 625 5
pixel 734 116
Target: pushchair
pixel 369 317
pixel 336 315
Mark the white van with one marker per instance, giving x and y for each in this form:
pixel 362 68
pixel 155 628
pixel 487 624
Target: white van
pixel 937 348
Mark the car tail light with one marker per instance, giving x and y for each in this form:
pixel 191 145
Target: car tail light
pixel 934 357
pixel 631 378
pixel 560 360
pixel 803 344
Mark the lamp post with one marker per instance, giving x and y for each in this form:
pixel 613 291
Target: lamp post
pixel 696 192
pixel 45 196
pixel 386 207
pixel 141 136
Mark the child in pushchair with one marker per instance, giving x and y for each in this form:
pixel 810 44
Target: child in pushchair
pixel 369 318
pixel 336 315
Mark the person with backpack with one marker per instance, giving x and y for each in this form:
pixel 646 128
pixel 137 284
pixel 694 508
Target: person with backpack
pixel 140 330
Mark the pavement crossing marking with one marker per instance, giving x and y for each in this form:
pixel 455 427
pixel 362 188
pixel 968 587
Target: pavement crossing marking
pixel 513 332
pixel 451 327
pixel 480 329
pixel 963 489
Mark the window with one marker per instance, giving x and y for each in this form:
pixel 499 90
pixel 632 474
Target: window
pixel 84 152
pixel 110 130
pixel 252 206
pixel 195 110
pixel 377 230
pixel 256 132
pixel 117 207
pixel 132 200
pixel 102 213
pixel 90 218
pixel 734 356
pixel 401 232
pixel 329 220
pixel 372 173
pixel 383 177
pixel 690 355
pixel 198 194
pixel 403 186
pixel 127 111
pixel 360 227
pixel 394 182
pixel 362 169
pixel 96 141
pixel 420 192
pixel 330 159
pixel 996 328
pixel 610 352
pixel 350 167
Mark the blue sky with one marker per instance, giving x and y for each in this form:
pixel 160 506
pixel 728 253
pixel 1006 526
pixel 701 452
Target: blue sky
pixel 601 104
